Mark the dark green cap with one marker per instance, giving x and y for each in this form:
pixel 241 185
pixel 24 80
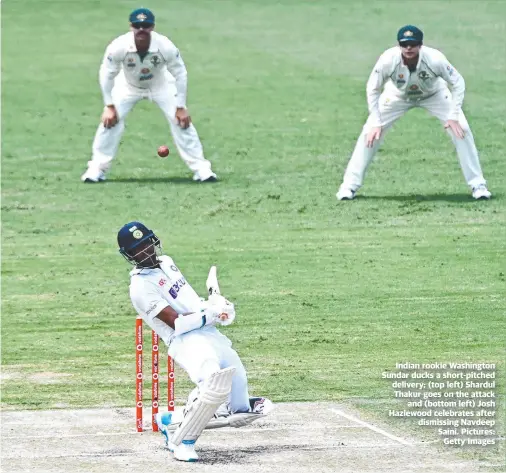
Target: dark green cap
pixel 410 33
pixel 142 15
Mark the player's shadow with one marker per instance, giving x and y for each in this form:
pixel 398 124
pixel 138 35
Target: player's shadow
pixel 152 180
pixel 421 198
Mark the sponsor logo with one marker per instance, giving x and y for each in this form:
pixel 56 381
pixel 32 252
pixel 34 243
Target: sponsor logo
pixel 176 287
pixel 162 282
pixel 450 69
pixel 155 404
pixel 146 77
pixel 155 60
pixel 174 268
pixel 423 75
pixel 151 308
pixel 109 58
pixel 139 404
pixel 130 62
pixel 400 81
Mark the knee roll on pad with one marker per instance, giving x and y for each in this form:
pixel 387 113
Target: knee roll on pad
pixel 214 392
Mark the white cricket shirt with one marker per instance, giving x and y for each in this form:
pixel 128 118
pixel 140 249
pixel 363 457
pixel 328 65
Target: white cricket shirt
pixel 433 73
pixel 151 290
pixel 150 72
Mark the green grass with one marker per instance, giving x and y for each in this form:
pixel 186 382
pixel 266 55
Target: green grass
pixel 329 294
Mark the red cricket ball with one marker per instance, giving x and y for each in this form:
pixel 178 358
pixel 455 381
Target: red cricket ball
pixel 163 151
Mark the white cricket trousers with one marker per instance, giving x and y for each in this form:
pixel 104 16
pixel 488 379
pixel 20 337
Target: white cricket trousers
pixel 201 353
pixel 106 142
pixel 392 108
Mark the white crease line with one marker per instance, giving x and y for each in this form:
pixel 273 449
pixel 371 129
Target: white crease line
pixel 164 450
pixel 370 426
pixel 148 431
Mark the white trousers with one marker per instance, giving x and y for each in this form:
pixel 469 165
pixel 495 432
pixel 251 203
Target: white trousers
pixel 203 352
pixel 391 109
pixel 106 142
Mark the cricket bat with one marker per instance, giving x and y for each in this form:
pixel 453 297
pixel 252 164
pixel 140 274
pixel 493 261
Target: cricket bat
pixel 212 282
pixel 213 289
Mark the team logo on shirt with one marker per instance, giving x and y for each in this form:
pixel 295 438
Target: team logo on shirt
pixel 414 90
pixel 145 70
pixel 155 60
pixel 423 75
pixel 400 79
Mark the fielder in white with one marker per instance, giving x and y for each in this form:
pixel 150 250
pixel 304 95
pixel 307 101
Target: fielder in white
pixel 141 65
pixel 414 76
pixel 187 324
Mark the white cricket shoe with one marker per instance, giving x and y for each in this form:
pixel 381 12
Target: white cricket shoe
pixel 481 192
pixel 92 176
pixel 205 176
pixel 163 420
pixel 185 451
pixel 261 405
pixel 344 193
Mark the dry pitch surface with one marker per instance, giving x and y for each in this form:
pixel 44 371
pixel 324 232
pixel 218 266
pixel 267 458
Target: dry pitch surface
pixel 308 437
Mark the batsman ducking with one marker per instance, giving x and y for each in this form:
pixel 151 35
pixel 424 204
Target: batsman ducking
pixel 188 326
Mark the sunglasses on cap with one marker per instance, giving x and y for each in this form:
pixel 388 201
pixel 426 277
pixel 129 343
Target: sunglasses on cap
pixel 140 25
pixel 413 44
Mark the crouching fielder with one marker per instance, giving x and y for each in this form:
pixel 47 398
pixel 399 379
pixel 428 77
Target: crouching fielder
pixel 144 65
pixel 414 76
pixel 170 306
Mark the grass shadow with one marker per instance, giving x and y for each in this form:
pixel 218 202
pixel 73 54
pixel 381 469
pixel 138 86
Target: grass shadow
pixel 420 198
pixel 152 180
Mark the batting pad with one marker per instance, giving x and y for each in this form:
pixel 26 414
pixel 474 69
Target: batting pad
pixel 215 391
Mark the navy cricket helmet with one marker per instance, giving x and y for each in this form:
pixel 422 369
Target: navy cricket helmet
pixel 131 236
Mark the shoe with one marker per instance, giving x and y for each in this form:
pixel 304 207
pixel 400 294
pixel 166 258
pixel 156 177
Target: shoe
pixel 481 192
pixel 210 179
pixel 261 405
pixel 162 421
pixel 93 176
pixel 344 193
pixel 185 451
pixel 209 176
